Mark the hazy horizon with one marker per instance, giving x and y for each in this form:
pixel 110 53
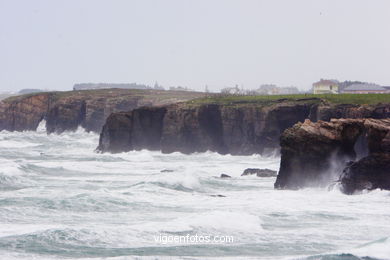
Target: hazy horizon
pixel 56 44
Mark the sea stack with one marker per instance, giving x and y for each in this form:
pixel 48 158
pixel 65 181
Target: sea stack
pixel 315 154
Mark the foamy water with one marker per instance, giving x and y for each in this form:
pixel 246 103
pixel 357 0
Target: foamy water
pixel 61 200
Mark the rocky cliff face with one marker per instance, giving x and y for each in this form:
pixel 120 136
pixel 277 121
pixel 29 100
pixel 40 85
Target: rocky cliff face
pixel 245 129
pixel 69 110
pixel 26 115
pixel 315 154
pixel 368 173
pixel 235 128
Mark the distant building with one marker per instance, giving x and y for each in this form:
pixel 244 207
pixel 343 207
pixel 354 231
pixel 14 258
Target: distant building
pixel 288 90
pixel 325 86
pixel 366 88
pixel 30 90
pixel 267 89
pixel 270 89
pixel 347 83
pixel 87 86
pixel 180 88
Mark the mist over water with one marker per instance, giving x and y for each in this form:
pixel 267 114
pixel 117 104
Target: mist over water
pixel 61 200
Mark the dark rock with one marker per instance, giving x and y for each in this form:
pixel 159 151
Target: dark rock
pixel 267 173
pixel 167 170
pixel 64 111
pixel 371 172
pixel 230 128
pixel 118 126
pixel 67 116
pixel 259 172
pixel 218 195
pixel 189 129
pixel 245 129
pixel 23 115
pixel 315 154
pixel 224 176
pixel 146 129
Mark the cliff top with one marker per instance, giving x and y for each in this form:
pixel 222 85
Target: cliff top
pixel 87 108
pixel 235 100
pixel 162 97
pixel 159 96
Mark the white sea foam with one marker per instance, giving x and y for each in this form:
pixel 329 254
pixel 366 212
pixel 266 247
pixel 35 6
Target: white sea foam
pixel 378 249
pixel 41 127
pixel 226 221
pixel 60 199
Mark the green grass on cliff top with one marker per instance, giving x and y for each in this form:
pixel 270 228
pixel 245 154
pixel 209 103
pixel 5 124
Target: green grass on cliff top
pixel 112 93
pixel 359 99
pixel 234 100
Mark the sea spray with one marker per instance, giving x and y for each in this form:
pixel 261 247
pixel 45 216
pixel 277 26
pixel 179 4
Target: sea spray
pixel 61 200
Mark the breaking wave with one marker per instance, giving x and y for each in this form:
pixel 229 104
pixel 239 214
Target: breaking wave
pixel 61 200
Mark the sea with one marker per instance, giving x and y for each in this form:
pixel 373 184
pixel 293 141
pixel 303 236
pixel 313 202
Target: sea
pixel 60 199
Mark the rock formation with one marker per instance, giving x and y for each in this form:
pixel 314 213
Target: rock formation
pixel 368 173
pixel 188 128
pixel 260 172
pixel 89 109
pixel 315 154
pixel 225 176
pixel 232 127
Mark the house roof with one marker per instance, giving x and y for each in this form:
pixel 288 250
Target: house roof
pixel 325 82
pixel 360 87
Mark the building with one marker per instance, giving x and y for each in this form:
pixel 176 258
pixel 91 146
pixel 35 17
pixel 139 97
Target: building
pixel 270 89
pixel 88 86
pixel 179 88
pixel 366 88
pixel 325 86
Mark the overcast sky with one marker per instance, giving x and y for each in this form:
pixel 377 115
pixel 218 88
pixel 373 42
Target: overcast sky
pixel 55 44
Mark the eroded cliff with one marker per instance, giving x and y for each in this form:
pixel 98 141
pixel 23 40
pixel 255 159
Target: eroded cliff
pixel 89 109
pixel 316 154
pixel 235 127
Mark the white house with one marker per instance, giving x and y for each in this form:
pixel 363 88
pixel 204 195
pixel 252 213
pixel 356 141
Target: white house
pixel 325 86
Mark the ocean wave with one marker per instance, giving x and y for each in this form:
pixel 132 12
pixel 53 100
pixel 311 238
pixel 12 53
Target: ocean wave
pixel 212 222
pixel 9 182
pixel 376 249
pixel 337 257
pixel 85 202
pixel 65 242
pixel 111 205
pixel 13 176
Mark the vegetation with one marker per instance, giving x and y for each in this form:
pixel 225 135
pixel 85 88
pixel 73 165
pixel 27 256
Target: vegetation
pixel 209 98
pixel 356 98
pixel 266 99
pixel 158 95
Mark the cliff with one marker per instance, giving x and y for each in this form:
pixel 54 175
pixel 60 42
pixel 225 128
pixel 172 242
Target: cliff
pixel 235 125
pixel 71 109
pixel 316 154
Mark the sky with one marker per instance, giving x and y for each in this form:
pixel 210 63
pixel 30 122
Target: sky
pixel 53 44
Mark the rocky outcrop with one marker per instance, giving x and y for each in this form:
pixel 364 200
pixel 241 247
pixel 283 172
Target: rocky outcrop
pixel 26 115
pixel 68 110
pixel 315 154
pixel 188 128
pixel 368 173
pixel 225 176
pixel 259 172
pixel 239 128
